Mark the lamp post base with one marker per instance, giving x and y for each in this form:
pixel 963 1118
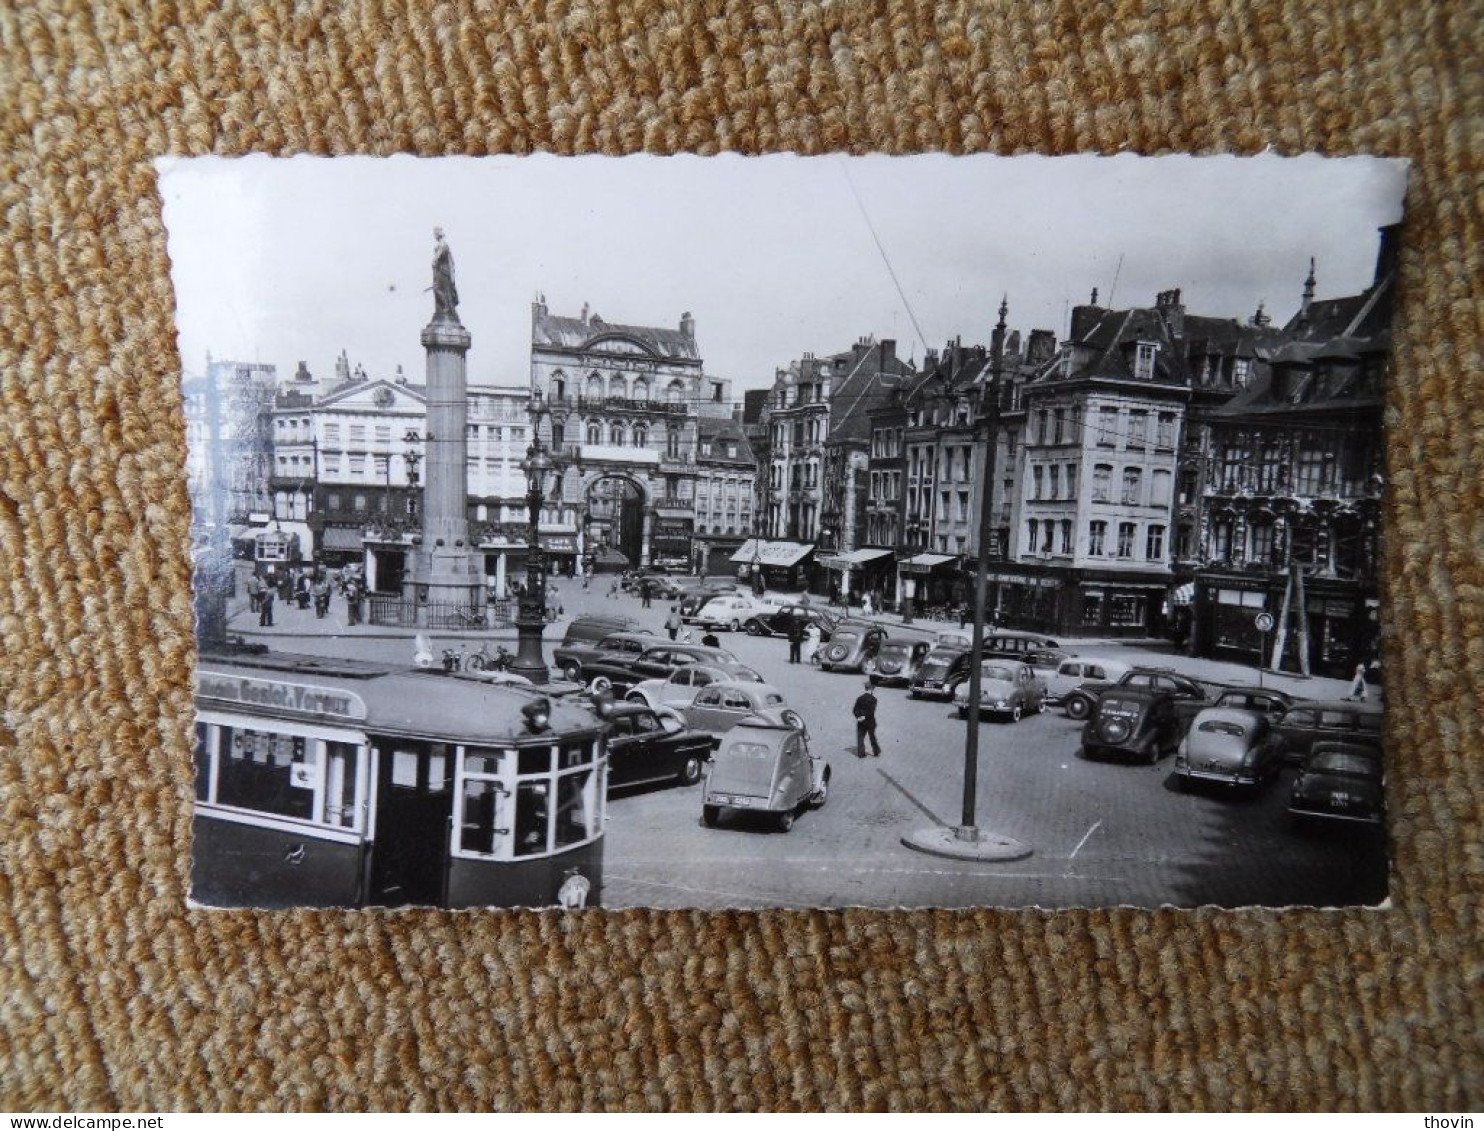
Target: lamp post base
pixel 529 661
pixel 966 842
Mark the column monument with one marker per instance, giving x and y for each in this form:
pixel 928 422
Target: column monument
pixel 446 581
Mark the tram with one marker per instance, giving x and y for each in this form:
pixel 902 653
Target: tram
pixel 342 783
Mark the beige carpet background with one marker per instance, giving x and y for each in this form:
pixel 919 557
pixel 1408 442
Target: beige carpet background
pixel 113 995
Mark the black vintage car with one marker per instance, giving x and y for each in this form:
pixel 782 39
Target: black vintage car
pixel 1188 696
pixel 621 671
pixel 940 673
pixel 776 622
pixel 647 746
pixel 1143 722
pixel 897 661
pixel 573 656
pixel 1308 722
pixel 853 644
pixel 1340 781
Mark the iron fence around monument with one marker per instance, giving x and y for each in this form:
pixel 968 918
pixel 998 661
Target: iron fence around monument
pixel 391 610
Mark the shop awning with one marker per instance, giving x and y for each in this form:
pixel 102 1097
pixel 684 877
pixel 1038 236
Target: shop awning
pixel 926 563
pixel 854 558
pixel 772 553
pixel 1184 595
pixel 341 538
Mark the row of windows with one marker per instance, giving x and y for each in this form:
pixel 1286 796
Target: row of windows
pixel 886 443
pixel 622 386
pixel 1130 429
pixel 1054 536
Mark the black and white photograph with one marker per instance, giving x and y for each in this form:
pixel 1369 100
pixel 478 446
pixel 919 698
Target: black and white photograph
pixel 798 532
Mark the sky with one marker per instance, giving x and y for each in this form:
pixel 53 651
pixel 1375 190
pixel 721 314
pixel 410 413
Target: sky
pixel 279 260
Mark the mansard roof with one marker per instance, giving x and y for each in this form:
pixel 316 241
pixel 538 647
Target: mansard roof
pixel 723 430
pixel 558 332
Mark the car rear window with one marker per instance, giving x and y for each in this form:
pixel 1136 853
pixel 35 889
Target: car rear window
pixel 997 671
pixel 755 751
pixel 746 674
pixel 1221 726
pixel 1344 764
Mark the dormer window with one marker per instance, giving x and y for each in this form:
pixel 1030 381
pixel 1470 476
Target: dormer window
pixel 1144 361
pixel 1068 360
pixel 1241 371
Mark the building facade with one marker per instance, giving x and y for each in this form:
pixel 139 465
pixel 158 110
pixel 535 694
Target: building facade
pixel 1290 502
pixel 624 405
pixel 726 488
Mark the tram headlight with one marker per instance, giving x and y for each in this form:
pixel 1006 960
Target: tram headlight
pixel 537 715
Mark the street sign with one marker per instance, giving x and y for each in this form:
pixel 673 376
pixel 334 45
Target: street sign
pixel 1264 622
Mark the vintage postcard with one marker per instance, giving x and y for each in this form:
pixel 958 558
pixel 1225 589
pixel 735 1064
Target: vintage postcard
pixel 786 532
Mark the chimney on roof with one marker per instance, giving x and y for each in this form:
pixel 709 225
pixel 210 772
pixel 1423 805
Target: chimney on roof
pixel 1172 311
pixel 401 377
pixel 1012 344
pixel 1094 300
pixel 1042 346
pixel 1260 317
pixel 1389 251
pixel 1309 284
pixel 888 351
pixel 688 326
pixel 538 306
pixel 584 315
pixel 342 368
pixel 302 375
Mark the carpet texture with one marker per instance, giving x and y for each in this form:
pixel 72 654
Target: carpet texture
pixel 113 995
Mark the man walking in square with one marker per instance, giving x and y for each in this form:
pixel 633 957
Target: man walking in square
pixel 865 722
pixel 265 607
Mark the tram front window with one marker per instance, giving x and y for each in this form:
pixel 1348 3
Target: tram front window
pixel 203 762
pixel 576 818
pixel 531 811
pixel 268 772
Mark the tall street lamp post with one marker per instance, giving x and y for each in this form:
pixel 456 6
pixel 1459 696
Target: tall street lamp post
pixel 969 840
pixel 530 619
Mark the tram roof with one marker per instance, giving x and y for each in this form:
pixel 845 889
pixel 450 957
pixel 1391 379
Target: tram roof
pixel 385 698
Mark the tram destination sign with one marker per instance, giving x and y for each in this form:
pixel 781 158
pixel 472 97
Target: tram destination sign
pixel 298 698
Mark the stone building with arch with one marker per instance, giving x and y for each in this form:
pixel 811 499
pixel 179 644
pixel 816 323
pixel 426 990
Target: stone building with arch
pixel 624 405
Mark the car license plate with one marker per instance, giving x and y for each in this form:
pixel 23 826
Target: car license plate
pixel 1341 799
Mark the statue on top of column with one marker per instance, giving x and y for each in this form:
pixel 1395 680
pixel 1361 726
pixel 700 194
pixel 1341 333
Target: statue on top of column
pixel 445 294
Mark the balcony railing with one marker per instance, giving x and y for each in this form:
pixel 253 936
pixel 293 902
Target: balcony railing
pixel 627 404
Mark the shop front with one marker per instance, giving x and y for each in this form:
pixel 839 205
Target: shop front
pixel 860 572
pixel 1341 617
pixel 1023 599
pixel 561 553
pixel 781 565
pixel 341 546
pixel 670 543
pixel 929 580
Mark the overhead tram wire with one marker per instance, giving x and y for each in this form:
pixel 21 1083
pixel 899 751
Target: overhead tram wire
pixel 866 216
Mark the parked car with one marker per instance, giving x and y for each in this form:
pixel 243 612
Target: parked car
pixel 592 627
pixel 718 708
pixel 1046 660
pixel 1011 643
pixel 1141 721
pixel 1228 745
pixel 1311 721
pixel 1340 781
pixel 1072 673
pixel 942 670
pixel 897 661
pixel 692 597
pixel 1264 700
pixel 721 610
pixel 660 587
pixel 646 746
pixel 573 657
pixel 1006 687
pixel 620 673
pixel 851 646
pixel 1188 696
pixel 764 765
pixel 677 689
pixel 774 622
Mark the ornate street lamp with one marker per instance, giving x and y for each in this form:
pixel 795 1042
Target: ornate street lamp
pixel 530 619
pixel 969 840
